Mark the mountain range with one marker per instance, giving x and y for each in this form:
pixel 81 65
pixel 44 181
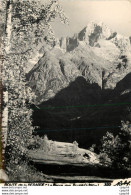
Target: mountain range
pixel 82 84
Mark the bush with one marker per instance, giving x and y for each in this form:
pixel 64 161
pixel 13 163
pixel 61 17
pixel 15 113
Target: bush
pixel 26 173
pixel 117 148
pixel 105 159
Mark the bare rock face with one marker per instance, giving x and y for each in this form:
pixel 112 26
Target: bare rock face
pixel 50 75
pixel 63 43
pixel 96 53
pixel 93 32
pixel 122 69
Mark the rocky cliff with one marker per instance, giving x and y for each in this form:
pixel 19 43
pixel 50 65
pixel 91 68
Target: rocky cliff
pixel 96 53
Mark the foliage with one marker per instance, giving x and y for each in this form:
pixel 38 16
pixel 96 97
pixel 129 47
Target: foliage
pixel 92 148
pixel 105 159
pixel 26 25
pixel 25 172
pixel 116 149
pixel 31 24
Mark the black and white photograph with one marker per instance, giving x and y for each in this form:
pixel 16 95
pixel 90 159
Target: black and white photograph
pixel 65 91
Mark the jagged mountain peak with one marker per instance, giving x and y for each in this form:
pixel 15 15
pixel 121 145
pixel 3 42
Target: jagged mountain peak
pixel 94 31
pixel 91 34
pixel 93 51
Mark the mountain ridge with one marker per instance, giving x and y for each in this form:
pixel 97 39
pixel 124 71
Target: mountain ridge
pixel 64 81
pixel 96 53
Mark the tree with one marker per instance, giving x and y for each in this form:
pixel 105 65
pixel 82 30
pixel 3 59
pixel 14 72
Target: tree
pixel 27 23
pixel 117 148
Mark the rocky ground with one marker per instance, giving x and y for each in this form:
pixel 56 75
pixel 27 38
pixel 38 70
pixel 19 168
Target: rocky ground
pixel 61 153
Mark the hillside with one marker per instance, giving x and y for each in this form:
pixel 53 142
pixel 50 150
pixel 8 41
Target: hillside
pixel 82 85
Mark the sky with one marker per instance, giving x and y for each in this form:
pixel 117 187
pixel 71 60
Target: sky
pixel 116 14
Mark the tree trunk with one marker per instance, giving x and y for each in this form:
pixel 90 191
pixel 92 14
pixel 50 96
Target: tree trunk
pixel 8 29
